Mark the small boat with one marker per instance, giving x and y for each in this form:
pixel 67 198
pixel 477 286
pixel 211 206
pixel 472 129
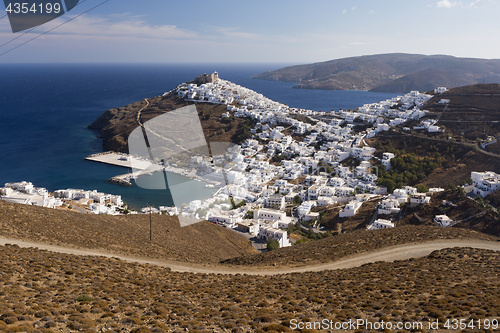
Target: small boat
pixel 209 185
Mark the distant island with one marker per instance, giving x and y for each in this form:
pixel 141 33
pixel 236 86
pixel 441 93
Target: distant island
pixel 395 72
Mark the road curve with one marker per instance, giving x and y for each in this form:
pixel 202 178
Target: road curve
pixel 139 113
pixel 400 252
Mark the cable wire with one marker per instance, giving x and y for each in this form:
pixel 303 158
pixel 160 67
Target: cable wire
pixel 46 32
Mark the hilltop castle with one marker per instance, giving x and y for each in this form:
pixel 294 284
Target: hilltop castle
pixel 206 78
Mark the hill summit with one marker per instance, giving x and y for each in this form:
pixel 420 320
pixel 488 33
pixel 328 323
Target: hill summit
pixel 395 72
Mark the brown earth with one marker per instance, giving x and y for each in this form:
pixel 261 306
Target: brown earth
pixel 52 292
pixel 129 235
pixel 473 112
pixel 115 125
pixel 353 243
pixel 205 243
pixel 494 198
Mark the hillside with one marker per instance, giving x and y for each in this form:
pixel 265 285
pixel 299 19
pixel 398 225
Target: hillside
pixel 396 72
pixel 453 203
pixel 53 292
pixel 353 243
pixel 129 235
pixel 473 112
pixel 115 125
pixel 458 208
pixel 205 243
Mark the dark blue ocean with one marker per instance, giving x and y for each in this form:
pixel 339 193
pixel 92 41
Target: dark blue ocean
pixel 45 110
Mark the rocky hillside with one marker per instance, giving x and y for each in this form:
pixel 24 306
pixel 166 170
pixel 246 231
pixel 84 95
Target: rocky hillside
pixel 115 125
pixel 395 72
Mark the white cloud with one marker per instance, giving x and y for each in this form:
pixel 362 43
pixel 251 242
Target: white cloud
pixel 129 27
pixel 131 38
pixel 371 12
pixel 124 39
pixel 361 43
pixel 234 33
pixel 474 4
pixel 346 10
pixel 446 4
pixel 470 4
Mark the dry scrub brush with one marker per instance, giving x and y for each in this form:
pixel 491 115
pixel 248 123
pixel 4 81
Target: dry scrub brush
pixel 43 291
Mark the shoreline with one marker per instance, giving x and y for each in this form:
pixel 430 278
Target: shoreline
pixel 145 167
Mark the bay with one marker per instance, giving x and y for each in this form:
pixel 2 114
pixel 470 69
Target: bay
pixel 45 110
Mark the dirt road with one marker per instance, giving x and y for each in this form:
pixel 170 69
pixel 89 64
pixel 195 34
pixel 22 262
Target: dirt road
pixel 400 252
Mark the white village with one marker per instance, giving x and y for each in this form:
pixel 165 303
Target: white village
pixel 261 179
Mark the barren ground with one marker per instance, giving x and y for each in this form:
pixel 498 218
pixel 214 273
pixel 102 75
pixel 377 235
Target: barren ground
pixel 43 291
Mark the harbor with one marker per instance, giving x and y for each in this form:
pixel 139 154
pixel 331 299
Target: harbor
pixel 142 167
pixel 121 159
pixel 124 160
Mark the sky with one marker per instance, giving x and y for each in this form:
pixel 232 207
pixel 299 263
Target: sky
pixel 271 31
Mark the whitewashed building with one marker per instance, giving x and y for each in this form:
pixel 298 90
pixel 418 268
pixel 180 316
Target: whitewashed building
pixel 281 236
pixel 389 206
pixel 443 220
pixel 417 199
pixel 248 226
pixel 270 215
pixel 380 224
pixel 485 182
pixel 386 160
pixel 305 207
pixel 350 209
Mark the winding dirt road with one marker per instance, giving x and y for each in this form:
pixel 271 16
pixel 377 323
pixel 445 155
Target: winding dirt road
pixel 390 254
pixel 139 113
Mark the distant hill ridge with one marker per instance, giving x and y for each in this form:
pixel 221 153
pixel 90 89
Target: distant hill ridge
pixel 394 72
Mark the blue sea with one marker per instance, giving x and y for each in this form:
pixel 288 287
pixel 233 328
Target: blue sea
pixel 45 110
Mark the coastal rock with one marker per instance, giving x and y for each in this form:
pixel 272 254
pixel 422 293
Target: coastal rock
pixel 120 181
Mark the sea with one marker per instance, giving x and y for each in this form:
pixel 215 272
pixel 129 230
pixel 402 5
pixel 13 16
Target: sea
pixel 45 110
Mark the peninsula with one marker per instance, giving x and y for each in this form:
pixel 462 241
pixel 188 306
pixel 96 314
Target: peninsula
pixel 328 170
